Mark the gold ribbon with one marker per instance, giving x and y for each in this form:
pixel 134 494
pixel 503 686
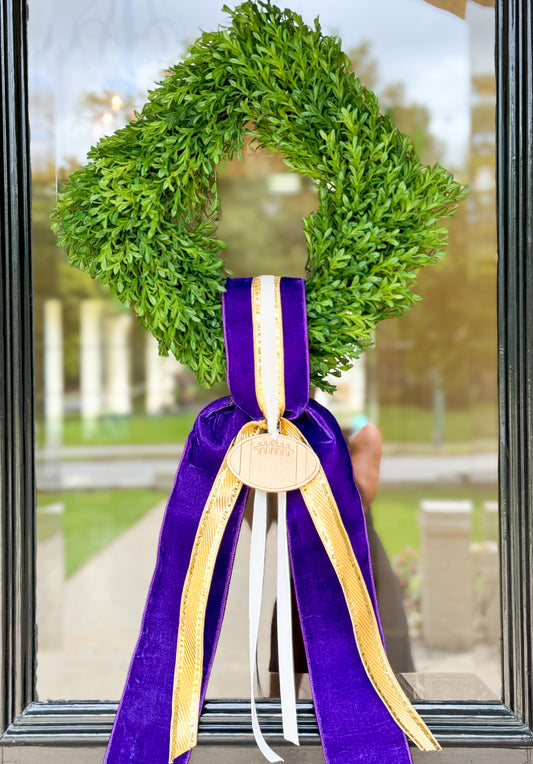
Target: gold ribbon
pixel 190 648
pixel 325 514
pixel 258 348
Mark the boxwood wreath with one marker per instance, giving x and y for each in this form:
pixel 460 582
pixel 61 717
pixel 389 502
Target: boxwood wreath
pixel 141 216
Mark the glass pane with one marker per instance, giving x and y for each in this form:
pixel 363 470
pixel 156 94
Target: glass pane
pixel 113 416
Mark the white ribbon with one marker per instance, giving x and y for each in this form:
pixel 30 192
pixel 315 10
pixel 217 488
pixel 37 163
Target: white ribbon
pixel 268 352
pixel 257 570
pixel 258 546
pixel 285 641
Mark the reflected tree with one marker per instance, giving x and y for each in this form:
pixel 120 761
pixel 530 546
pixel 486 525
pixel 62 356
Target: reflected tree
pixel 444 349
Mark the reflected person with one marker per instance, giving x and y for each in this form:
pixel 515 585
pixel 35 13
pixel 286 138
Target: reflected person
pixel 365 444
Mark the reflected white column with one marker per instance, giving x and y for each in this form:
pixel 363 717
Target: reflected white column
pixel 50 576
pixel 447 576
pixel 490 572
pixel 356 384
pixel 53 373
pixel 91 364
pixel 160 379
pixel 117 376
pixel 350 395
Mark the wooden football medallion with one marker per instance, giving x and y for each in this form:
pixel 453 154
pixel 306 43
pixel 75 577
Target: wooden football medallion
pixel 273 465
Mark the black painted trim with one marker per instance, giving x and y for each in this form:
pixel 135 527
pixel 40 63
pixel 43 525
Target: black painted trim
pixel 486 725
pixel 456 724
pixel 17 483
pixel 515 298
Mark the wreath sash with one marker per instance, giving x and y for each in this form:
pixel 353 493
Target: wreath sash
pixel 361 711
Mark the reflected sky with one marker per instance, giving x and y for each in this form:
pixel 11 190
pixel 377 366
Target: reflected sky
pixel 124 45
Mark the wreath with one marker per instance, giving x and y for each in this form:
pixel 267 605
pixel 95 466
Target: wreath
pixel 141 216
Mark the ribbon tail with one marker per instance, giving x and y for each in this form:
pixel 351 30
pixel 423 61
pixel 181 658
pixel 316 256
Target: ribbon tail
pixel 325 515
pixel 187 684
pixel 284 627
pixel 257 570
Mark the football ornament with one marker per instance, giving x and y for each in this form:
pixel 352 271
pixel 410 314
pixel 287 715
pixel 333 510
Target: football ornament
pixel 272 465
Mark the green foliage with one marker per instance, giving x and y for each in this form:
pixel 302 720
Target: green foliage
pixel 142 215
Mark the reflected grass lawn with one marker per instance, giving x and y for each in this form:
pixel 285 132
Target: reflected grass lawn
pixel 400 425
pixel 410 424
pixel 170 428
pixel 93 519
pixel 396 511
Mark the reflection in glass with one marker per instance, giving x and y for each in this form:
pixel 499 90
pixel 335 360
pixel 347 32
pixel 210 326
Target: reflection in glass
pixel 113 415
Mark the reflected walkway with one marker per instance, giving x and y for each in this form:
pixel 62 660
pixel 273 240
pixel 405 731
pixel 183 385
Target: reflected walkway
pixel 104 602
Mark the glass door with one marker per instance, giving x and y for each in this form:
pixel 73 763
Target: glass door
pixel 112 415
pixel 417 403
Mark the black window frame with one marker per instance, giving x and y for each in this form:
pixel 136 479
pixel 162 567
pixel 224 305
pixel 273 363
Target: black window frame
pixel 504 725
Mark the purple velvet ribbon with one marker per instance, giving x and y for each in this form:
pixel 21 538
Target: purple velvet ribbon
pixel 354 724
